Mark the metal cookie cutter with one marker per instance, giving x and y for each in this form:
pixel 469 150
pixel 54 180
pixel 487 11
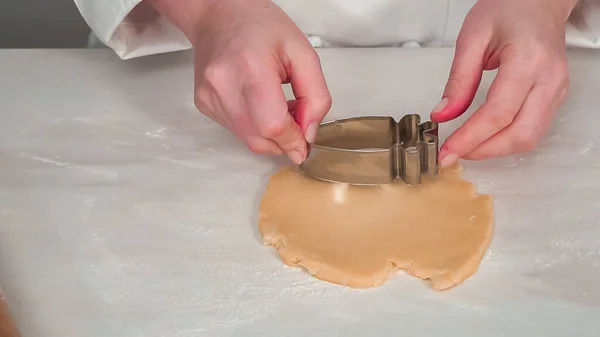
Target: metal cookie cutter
pixel 374 150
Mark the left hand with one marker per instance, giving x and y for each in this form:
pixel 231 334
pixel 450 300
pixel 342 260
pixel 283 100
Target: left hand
pixel 525 40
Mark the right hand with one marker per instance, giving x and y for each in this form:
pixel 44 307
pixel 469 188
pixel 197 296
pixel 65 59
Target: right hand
pixel 244 51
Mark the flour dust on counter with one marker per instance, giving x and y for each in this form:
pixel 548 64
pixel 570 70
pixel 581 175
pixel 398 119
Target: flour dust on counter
pixel 140 214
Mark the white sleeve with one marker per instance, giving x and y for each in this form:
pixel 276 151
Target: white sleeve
pixel 583 28
pixel 131 28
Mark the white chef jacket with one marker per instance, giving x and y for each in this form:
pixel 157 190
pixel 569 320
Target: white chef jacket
pixel 133 29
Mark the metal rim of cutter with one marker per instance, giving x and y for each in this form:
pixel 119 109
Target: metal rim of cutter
pixel 374 150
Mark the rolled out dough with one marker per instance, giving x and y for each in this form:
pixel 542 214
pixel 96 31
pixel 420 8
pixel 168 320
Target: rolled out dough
pixel 359 236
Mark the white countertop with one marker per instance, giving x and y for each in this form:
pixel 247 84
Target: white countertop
pixel 124 212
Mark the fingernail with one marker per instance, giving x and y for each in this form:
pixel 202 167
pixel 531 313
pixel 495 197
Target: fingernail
pixel 296 157
pixel 311 133
pixel 441 105
pixel 448 160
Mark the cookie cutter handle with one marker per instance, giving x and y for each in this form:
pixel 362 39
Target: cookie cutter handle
pixel 428 142
pixel 409 164
pixel 416 150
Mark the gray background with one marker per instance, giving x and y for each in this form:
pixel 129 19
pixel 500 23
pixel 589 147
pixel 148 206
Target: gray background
pixel 41 24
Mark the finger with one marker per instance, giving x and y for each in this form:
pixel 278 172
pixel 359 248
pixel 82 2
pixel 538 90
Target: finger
pixel 505 98
pixel 530 124
pixel 246 130
pixel 266 104
pixel 464 79
pixel 313 99
pixel 262 146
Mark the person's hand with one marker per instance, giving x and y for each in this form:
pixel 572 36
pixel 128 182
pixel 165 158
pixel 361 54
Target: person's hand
pixel 244 51
pixel 525 40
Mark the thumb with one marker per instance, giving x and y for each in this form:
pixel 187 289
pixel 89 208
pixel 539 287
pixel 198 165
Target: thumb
pixel 463 81
pixel 287 135
pixel 313 100
pixel 268 108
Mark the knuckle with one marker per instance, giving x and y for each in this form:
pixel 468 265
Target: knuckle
pixel 247 62
pixel 325 103
pixel 258 147
pixel 562 73
pixel 273 128
pixel 540 50
pixel 328 103
pixel 461 142
pixel 562 94
pixel 525 142
pixel 466 38
pixel 522 68
pixel 501 120
pixel 471 144
pixel 201 99
pixel 215 74
pixel 314 58
pixel 198 101
pixel 566 82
